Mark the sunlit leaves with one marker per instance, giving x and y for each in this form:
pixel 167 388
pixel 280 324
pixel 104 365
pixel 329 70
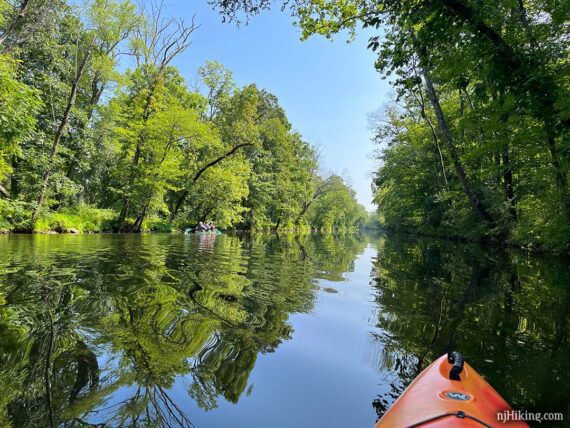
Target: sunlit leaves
pixel 18 104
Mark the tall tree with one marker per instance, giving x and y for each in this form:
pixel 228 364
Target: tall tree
pixel 157 43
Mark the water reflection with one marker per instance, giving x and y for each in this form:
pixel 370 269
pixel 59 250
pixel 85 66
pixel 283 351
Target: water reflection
pixel 152 330
pixel 103 329
pixel 507 312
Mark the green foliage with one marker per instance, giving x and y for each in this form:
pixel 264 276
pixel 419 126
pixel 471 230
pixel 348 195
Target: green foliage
pixel 219 194
pixel 158 225
pixel 219 85
pixel 540 226
pixel 150 128
pixel 18 104
pixel 81 218
pixel 4 9
pixel 477 144
pixel 13 215
pixel 417 188
pixel 139 142
pixel 337 208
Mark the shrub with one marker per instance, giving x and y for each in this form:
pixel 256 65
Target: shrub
pixel 82 218
pixel 157 225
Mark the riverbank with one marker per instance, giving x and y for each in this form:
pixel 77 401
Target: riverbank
pixel 84 219
pixel 88 220
pixel 533 246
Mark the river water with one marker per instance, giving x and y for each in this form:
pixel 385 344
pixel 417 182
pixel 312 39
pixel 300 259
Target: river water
pixel 264 331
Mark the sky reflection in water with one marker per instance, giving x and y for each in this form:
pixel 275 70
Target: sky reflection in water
pixel 218 331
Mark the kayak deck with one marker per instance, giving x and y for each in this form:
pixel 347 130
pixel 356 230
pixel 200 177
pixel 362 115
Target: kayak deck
pixel 434 400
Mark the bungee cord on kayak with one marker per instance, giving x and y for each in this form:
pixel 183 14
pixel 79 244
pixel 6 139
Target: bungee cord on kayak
pixel 459 414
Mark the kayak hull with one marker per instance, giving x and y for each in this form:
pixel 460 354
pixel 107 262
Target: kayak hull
pixel 433 400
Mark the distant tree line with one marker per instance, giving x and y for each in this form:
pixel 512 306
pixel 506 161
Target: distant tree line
pixel 476 143
pixel 99 131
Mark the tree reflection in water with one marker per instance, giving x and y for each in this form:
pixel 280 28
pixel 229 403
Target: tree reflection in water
pixel 505 311
pixel 127 330
pixel 99 330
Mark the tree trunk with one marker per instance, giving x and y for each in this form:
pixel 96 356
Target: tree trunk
pixel 478 208
pixel 544 91
pixel 199 174
pixel 304 209
pixel 21 14
pixel 137 226
pixel 136 157
pixel 560 176
pixel 425 117
pixel 14 188
pixel 97 89
pixel 179 203
pixel 138 222
pixel 61 129
pixel 508 182
pixel 4 192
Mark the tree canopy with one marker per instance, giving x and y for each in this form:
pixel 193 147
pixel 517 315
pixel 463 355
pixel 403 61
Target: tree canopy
pixel 476 142
pixel 101 132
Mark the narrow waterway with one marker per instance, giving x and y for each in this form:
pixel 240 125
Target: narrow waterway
pixel 219 331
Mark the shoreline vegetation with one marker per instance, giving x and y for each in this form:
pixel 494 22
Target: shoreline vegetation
pixel 103 221
pixel 476 140
pixel 100 132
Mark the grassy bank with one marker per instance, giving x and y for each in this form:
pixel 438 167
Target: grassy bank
pixel 15 218
pixel 83 219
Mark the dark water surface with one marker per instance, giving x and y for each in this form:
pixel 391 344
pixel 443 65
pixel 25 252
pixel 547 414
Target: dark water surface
pixel 221 331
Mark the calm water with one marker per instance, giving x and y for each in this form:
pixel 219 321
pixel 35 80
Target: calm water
pixel 220 331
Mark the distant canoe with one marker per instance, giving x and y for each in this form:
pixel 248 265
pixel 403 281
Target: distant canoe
pixel 202 232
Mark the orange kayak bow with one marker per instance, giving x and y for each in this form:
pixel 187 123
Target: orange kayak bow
pixel 450 393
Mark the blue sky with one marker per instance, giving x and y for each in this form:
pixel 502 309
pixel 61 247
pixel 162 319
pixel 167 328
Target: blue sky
pixel 326 88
